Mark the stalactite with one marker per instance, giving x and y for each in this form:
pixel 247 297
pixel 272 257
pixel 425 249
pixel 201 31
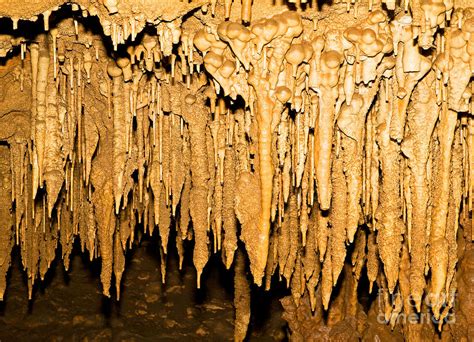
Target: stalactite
pixel 217 206
pixel 184 210
pixel 179 163
pixel 455 200
pixel 53 156
pixel 293 237
pixel 164 223
pixel 119 263
pixel 103 203
pixel 351 123
pixel 41 110
pixel 229 245
pixel 373 262
pixel 272 263
pixel 297 281
pixel 6 225
pixel 164 208
pixel 66 233
pixel 311 264
pixel 338 219
pixel 388 213
pixel 247 208
pixel 438 244
pixel 195 113
pixel 326 279
pixel 422 116
pixel 119 156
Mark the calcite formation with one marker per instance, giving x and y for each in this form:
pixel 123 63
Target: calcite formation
pixel 335 141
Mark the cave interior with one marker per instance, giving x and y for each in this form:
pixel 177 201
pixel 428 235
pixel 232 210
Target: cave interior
pixel 254 170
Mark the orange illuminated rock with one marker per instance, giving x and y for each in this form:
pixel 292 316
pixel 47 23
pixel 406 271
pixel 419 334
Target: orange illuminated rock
pixel 324 140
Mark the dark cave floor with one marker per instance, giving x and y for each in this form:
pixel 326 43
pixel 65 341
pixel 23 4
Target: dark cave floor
pixel 69 306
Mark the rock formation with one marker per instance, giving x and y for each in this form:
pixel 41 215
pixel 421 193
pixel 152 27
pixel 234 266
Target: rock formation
pixel 335 141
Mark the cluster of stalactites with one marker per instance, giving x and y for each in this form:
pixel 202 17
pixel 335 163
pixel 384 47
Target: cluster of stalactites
pixel 95 121
pixel 349 134
pixel 355 126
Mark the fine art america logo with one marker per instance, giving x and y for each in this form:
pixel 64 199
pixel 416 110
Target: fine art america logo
pixel 447 316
